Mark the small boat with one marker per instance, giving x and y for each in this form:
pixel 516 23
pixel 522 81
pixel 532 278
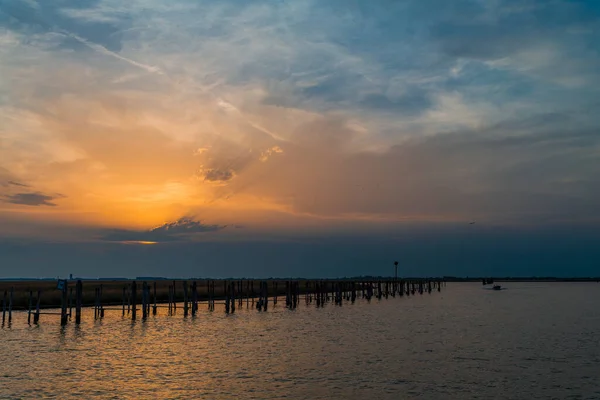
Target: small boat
pixel 497 287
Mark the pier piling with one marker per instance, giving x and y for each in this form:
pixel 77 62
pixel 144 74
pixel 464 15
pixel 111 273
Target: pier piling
pixel 64 317
pixel 133 300
pixel 36 316
pixel 78 301
pixel 29 308
pixel 4 306
pixel 10 304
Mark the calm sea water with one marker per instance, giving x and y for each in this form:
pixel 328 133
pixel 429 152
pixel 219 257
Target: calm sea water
pixel 531 341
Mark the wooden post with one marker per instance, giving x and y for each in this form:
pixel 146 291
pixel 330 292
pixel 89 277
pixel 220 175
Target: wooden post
pixel 169 299
pixel 133 300
pixel 148 303
pixel 208 293
pixel 306 292
pixel 194 298
pixel 36 316
pixel 124 296
pixel 29 308
pixel 78 301
pixel 185 299
pixel 10 304
pixel 232 286
pixel 70 302
pixel 266 296
pixel 100 301
pixel 247 294
pixel 174 297
pixel 4 307
pixel 154 310
pixel 212 294
pixel 128 299
pixel 144 309
pixel 63 302
pixel 226 292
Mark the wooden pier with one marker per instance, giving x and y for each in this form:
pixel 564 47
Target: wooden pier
pixel 135 296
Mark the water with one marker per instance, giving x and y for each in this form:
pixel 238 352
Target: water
pixel 532 341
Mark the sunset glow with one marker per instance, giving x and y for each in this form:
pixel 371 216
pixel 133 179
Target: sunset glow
pixel 295 117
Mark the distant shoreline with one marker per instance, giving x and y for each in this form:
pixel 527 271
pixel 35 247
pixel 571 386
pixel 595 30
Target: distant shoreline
pixel 280 279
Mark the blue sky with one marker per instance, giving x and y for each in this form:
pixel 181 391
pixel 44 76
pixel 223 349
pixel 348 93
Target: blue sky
pixel 205 125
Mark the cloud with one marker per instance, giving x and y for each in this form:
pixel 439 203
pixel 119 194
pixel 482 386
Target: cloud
pixel 183 229
pixel 216 175
pixel 411 109
pixel 31 199
pixel 18 184
pixel 527 171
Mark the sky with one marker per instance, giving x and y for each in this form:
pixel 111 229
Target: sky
pixel 299 138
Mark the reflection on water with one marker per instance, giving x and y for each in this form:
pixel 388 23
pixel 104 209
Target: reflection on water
pixel 530 341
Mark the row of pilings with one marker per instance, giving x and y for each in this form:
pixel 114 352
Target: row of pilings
pixel 140 299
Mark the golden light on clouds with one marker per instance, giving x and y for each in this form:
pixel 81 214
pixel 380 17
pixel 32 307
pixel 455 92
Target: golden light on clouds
pixel 136 118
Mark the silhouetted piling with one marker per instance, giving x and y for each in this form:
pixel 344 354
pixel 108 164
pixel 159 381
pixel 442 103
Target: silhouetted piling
pixel 266 296
pixel 155 308
pixel 70 302
pixel 78 301
pixel 185 299
pixel 232 293
pixel 133 300
pixel 64 317
pixel 128 299
pixel 29 307
pixel 36 316
pixel 174 297
pixel 10 304
pixel 4 307
pixel 227 299
pixel 124 298
pixel 211 288
pixel 194 298
pixel 144 300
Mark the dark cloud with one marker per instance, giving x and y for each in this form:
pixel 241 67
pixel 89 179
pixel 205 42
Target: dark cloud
pixel 218 175
pixel 18 184
pixel 31 199
pixel 181 230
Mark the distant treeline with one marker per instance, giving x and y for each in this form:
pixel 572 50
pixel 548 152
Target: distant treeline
pixel 352 278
